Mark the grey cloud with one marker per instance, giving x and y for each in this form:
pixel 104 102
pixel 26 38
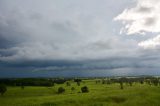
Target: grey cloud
pixel 65 36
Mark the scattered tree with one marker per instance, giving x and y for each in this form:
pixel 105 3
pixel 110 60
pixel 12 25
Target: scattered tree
pixel 78 83
pixel 141 82
pixel 98 81
pixel 103 81
pixel 3 89
pixel 130 83
pixel 72 89
pixel 77 80
pixel 155 82
pixel 121 85
pixel 68 84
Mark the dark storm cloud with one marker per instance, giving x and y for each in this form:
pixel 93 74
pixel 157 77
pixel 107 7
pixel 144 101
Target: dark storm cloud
pixel 104 64
pixel 111 66
pixel 5 43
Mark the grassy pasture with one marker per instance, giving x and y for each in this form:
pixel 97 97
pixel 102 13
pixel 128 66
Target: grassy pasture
pixel 99 95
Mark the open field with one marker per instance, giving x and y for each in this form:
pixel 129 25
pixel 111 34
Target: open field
pixel 99 95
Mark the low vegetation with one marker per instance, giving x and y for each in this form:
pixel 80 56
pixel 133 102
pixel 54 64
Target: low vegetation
pixel 113 91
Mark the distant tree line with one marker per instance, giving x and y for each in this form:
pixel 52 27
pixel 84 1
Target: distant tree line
pixel 36 81
pixel 31 82
pixel 155 81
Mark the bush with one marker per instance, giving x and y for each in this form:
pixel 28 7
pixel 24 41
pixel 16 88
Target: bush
pixel 3 89
pixel 78 83
pixel 61 90
pixel 72 88
pixel 84 89
pixel 22 87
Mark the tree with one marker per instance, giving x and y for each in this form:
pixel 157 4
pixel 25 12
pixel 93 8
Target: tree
pixel 141 82
pixel 77 80
pixel 72 89
pixel 84 89
pixel 103 81
pixel 78 83
pixel 61 90
pixel 130 83
pixel 98 81
pixel 121 85
pixel 68 84
pixel 3 89
pixel 155 82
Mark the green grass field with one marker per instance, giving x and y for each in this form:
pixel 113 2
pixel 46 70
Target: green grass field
pixel 99 95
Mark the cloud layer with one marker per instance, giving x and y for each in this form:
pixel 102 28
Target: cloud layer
pixel 76 38
pixel 56 30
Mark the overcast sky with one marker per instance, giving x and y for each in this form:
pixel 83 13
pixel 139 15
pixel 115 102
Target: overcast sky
pixel 40 38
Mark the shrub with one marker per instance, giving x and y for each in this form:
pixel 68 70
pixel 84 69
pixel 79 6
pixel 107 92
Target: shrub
pixel 84 89
pixel 61 90
pixel 3 89
pixel 78 83
pixel 72 88
pixel 22 87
